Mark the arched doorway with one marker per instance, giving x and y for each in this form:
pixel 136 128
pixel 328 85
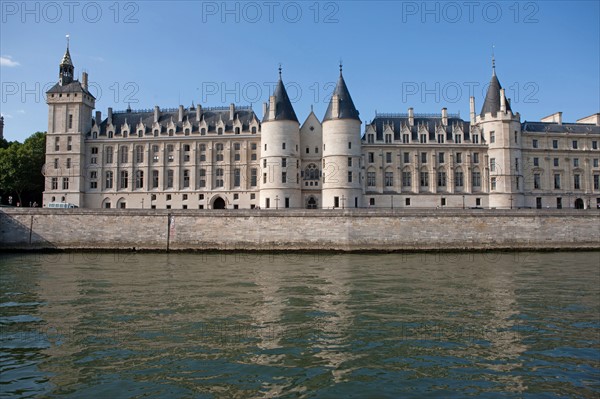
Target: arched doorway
pixel 219 203
pixel 311 203
pixel 578 203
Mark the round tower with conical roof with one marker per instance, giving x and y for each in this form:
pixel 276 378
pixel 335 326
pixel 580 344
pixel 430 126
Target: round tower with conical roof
pixel 280 160
pixel 342 186
pixel 501 128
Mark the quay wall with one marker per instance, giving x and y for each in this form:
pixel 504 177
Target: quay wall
pixel 305 230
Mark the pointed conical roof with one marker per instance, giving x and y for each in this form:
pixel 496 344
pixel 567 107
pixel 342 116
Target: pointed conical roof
pixel 492 97
pixel 66 60
pixel 346 109
pixel 283 106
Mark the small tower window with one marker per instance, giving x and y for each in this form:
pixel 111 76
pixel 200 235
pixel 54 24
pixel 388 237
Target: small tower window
pixel 70 121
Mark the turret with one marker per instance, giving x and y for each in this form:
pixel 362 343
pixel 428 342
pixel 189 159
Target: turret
pixel 280 158
pixel 70 107
pixel 342 186
pixel 502 174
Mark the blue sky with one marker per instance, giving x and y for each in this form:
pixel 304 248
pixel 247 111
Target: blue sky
pixel 396 54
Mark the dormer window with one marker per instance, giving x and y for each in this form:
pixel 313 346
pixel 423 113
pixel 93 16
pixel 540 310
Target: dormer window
pixel 202 131
pixel 170 132
pixel 187 132
pixel 155 132
pixel 220 130
pixel 140 133
pixel 110 134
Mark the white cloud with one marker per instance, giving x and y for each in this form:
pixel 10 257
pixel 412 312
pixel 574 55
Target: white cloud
pixel 97 59
pixel 20 111
pixel 7 61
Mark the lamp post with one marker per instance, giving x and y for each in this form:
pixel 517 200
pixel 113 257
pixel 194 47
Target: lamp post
pixel 463 201
pixel 343 201
pixel 511 201
pixel 142 203
pixel 277 202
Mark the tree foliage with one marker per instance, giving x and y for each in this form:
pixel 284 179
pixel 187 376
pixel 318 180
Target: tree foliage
pixel 21 168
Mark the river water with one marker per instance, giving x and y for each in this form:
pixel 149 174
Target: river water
pixel 239 325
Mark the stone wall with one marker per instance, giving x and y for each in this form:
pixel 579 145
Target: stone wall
pixel 344 230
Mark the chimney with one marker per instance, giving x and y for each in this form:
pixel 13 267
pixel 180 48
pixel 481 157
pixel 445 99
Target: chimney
pixel 231 111
pixel 198 112
pixel 502 101
pixel 272 105
pixel 411 116
pixel 472 110
pixel 180 114
pixel 98 118
pixel 554 118
pixel 156 113
pixel 109 115
pixel 264 109
pixel 335 110
pixel 445 116
pixel 84 80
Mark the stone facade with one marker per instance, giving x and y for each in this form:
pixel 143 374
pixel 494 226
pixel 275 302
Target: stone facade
pixel 225 157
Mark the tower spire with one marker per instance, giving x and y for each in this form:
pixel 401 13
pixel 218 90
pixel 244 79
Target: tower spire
pixel 341 66
pixel 280 71
pixel 493 61
pixel 66 69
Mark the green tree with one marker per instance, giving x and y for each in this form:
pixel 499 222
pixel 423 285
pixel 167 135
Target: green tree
pixel 21 167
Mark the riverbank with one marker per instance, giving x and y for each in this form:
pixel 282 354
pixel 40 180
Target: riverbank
pixel 299 230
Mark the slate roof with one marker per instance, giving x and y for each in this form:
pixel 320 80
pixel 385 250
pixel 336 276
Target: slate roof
pixel 553 127
pixel 492 97
pixel 66 60
pixel 397 122
pixel 73 87
pixel 283 106
pixel 211 115
pixel 347 110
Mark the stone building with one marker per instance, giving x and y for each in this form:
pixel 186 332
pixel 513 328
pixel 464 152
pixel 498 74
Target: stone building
pixel 226 157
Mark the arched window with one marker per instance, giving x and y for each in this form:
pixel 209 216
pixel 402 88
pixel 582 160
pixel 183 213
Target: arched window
pixel 311 172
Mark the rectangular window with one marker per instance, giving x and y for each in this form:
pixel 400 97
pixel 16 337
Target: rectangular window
pixel 93 185
pixel 55 163
pixel 65 183
pixel 536 161
pixel 389 179
pixel 202 179
pixel 124 179
pixel 441 179
pixel 108 183
pixel 219 180
pixel 574 144
pixel 423 157
pixel 349 145
pixel 57 144
pixel 371 180
pixel 371 157
pixel 264 178
pixel 70 121
pixel 284 162
pixel 475 139
pixel 492 164
pixel 55 183
pixel 440 138
pixel 594 145
pixel 283 146
pixel 124 154
pixel 577 182
pixel 406 179
pixel 236 178
pixel 284 177
pixel 388 138
pixel 424 179
pixel 349 162
pixel 459 157
pixel 534 143
pixel 516 164
pixel 492 137
pixel 555 144
pixel 139 154
pixel 388 157
pixel 441 157
pixel 559 203
pixel 253 177
pixel 575 162
pixel 68 163
pixel 69 143
pixel 457 138
pixel 155 179
pixel 493 182
pixel 537 182
pixel 556 163
pixel 139 179
pixel 407 201
pixel 596 182
pixel 186 179
pixel 476 177
pixel 170 178
pixel 595 162
pixel 459 179
pixel 349 176
pixel 406 157
pixel 423 138
pixel 557 181
pixel 475 157
pixel 405 138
